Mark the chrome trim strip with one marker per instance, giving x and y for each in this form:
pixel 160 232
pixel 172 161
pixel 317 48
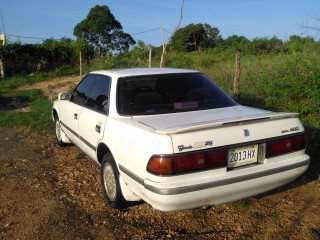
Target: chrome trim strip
pixel 87 143
pixel 77 135
pixel 131 175
pixel 219 183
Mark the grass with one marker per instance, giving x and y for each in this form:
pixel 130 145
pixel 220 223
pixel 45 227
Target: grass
pixel 14 82
pixel 257 216
pixel 199 212
pixel 274 216
pixel 38 118
pixel 245 203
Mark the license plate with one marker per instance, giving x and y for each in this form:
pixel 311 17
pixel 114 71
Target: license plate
pixel 242 156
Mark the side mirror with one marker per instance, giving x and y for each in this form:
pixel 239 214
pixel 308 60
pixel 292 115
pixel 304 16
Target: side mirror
pixel 64 96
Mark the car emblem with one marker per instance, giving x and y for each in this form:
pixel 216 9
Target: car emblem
pixel 246 132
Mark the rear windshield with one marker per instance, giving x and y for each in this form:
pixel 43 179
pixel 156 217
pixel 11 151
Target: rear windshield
pixel 169 93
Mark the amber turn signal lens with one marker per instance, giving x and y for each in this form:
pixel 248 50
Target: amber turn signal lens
pixel 160 165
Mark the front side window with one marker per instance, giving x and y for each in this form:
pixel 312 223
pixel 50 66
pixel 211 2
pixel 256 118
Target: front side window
pixel 93 92
pixel 81 93
pixel 169 93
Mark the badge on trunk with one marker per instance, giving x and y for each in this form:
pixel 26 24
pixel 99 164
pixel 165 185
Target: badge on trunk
pixel 246 132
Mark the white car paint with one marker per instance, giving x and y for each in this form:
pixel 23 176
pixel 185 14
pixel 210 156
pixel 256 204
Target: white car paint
pixel 133 140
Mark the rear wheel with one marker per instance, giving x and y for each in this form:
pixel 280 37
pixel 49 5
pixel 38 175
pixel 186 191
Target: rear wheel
pixel 110 182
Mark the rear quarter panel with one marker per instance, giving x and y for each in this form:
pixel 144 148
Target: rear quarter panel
pixel 132 144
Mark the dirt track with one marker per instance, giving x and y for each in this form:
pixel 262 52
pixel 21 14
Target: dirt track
pixel 47 192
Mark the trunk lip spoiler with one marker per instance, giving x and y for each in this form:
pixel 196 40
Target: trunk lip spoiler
pixel 225 122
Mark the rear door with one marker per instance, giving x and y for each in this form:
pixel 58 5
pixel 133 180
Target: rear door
pixel 93 116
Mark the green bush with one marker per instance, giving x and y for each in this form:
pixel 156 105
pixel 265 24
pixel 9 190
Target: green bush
pixel 23 59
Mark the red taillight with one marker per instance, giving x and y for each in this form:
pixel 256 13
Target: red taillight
pixel 216 159
pixel 187 163
pixel 285 145
pixel 183 163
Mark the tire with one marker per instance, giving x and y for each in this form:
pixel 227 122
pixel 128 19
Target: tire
pixel 110 182
pixel 58 132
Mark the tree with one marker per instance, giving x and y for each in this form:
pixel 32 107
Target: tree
pixel 195 37
pixel 103 31
pixel 265 45
pixel 141 51
pixel 212 35
pixel 235 40
pixel 80 45
pixel 66 51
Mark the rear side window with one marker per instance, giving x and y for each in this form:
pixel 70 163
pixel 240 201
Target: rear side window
pixel 169 93
pixel 99 94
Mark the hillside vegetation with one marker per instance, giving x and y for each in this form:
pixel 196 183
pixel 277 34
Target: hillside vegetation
pixel 275 75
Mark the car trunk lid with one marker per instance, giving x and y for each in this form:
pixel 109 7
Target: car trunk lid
pixel 197 120
pixel 191 131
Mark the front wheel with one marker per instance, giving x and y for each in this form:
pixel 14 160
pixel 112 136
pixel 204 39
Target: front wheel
pixel 58 132
pixel 110 182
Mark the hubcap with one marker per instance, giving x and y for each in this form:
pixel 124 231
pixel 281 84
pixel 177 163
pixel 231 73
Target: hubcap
pixel 58 130
pixel 109 180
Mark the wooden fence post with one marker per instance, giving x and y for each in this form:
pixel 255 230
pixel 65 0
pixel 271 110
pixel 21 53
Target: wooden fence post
pixel 80 61
pixel 163 49
pixel 150 57
pixel 236 90
pixel 1 69
pixel 3 39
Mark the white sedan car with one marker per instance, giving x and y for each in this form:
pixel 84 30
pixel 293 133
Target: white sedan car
pixel 173 138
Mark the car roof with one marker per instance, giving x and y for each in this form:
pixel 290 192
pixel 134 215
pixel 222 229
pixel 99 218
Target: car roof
pixel 141 71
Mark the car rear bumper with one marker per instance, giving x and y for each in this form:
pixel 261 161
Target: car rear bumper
pixel 227 187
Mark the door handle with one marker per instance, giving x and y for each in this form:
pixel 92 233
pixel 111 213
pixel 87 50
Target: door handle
pixel 75 116
pixel 98 128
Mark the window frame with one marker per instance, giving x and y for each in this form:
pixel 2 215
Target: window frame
pixel 85 104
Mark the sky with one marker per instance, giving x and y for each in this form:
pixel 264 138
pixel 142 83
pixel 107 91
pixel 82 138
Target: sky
pixel 35 20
